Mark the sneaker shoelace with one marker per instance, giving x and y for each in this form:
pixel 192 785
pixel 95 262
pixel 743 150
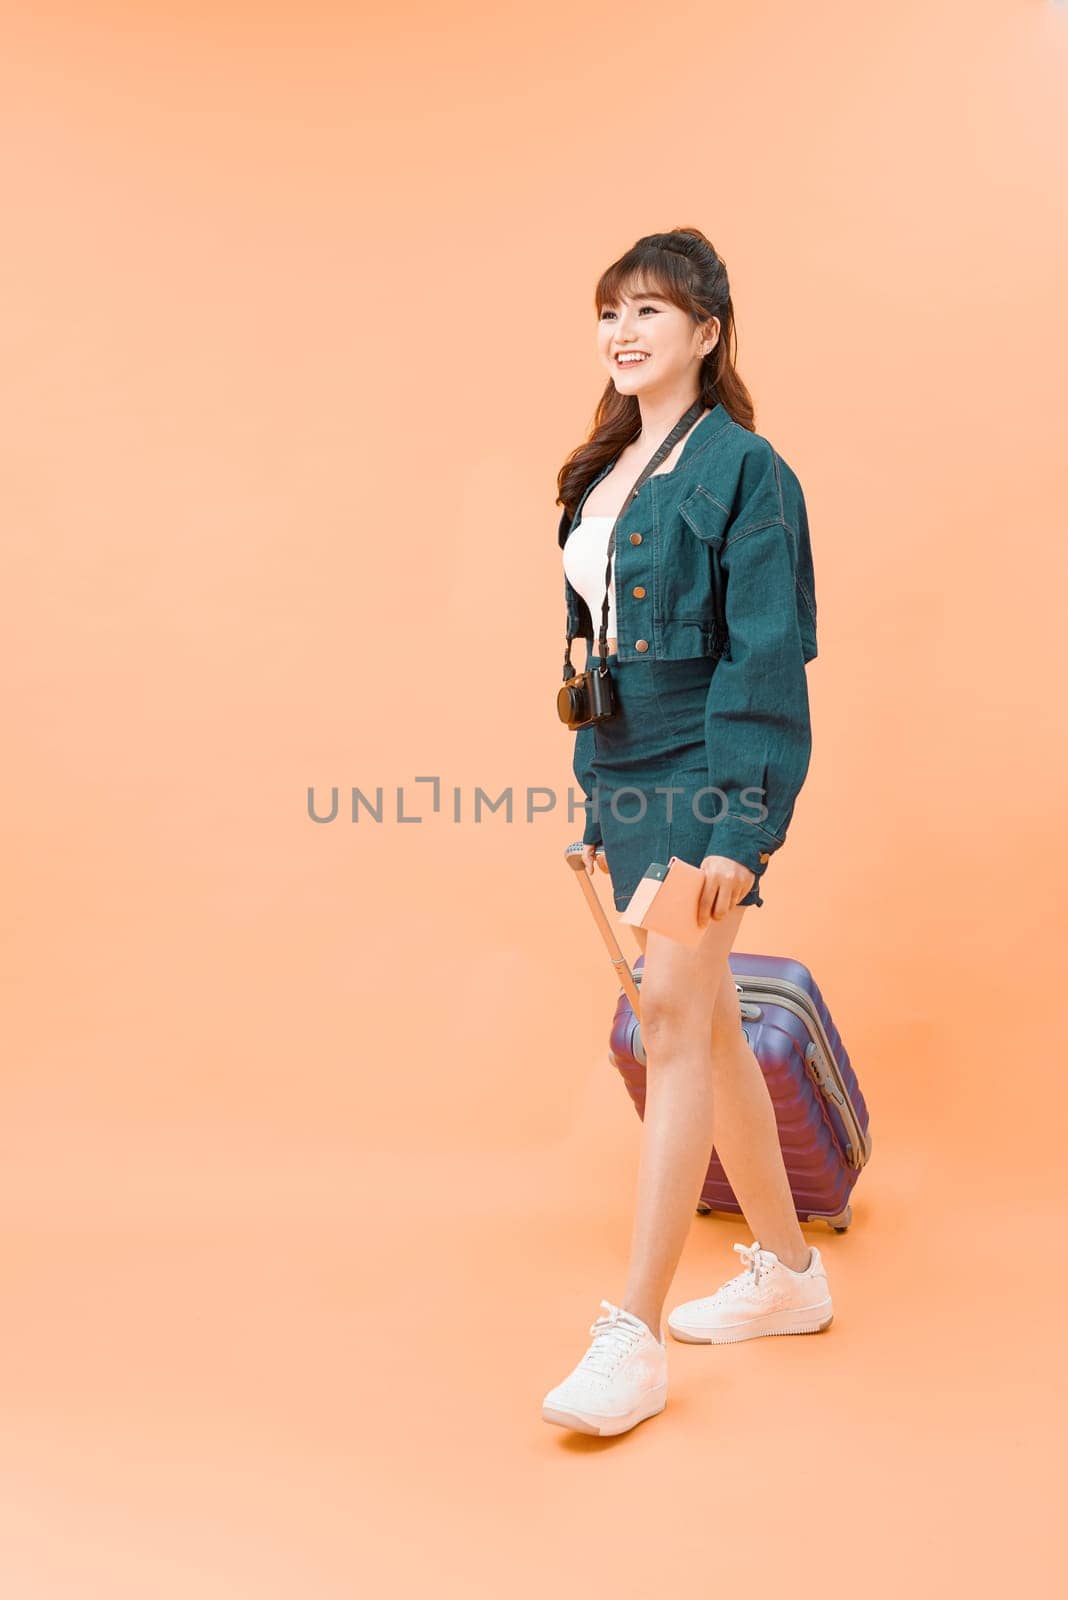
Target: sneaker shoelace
pixel 614 1337
pixel 757 1261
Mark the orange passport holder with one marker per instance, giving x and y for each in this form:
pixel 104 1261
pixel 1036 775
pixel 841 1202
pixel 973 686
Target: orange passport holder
pixel 666 901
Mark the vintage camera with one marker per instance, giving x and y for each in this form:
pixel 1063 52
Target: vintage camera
pixel 586 697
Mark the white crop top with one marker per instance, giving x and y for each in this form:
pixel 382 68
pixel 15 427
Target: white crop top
pixel 585 559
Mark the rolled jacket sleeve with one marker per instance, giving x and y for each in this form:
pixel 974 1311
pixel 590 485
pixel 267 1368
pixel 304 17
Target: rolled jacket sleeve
pixel 581 766
pixel 757 726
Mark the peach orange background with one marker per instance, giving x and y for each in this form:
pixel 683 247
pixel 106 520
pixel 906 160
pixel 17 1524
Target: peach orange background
pixel 314 1170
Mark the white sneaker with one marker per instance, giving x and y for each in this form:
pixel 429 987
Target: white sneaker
pixel 768 1297
pixel 621 1380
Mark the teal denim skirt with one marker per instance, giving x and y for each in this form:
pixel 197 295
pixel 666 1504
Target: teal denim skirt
pixel 655 741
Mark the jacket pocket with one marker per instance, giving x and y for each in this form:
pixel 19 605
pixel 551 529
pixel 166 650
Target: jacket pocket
pixel 706 516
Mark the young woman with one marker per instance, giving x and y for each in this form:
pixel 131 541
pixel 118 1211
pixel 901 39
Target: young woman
pixel 702 758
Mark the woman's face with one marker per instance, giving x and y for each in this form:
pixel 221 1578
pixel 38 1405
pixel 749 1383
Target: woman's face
pixel 660 345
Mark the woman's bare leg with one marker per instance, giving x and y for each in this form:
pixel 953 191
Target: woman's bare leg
pixel 747 1137
pixel 697 1097
pixel 679 991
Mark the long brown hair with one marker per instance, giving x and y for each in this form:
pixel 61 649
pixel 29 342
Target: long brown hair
pixel 683 267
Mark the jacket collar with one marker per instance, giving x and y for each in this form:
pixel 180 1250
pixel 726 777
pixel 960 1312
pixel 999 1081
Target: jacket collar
pixel 699 437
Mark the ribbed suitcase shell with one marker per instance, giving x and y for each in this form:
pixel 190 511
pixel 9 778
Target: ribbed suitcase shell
pixel 820 1111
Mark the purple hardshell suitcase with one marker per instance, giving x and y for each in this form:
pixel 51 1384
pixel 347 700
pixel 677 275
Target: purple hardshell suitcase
pixel 821 1114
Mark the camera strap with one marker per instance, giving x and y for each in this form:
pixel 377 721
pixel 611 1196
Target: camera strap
pixel 683 425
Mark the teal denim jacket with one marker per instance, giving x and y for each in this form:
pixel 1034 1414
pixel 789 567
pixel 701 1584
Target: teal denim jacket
pixel 730 499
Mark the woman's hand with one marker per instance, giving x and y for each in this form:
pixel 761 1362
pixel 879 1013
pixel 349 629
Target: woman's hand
pixel 592 852
pixel 726 882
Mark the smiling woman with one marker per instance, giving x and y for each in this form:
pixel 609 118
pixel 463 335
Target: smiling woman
pixel 698 752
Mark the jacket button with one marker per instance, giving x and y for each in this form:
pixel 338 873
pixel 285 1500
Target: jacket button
pixel 641 644
pixel 765 856
pixel 635 538
pixel 638 592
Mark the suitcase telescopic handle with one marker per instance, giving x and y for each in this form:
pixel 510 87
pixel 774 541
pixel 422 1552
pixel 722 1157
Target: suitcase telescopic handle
pixel 573 857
